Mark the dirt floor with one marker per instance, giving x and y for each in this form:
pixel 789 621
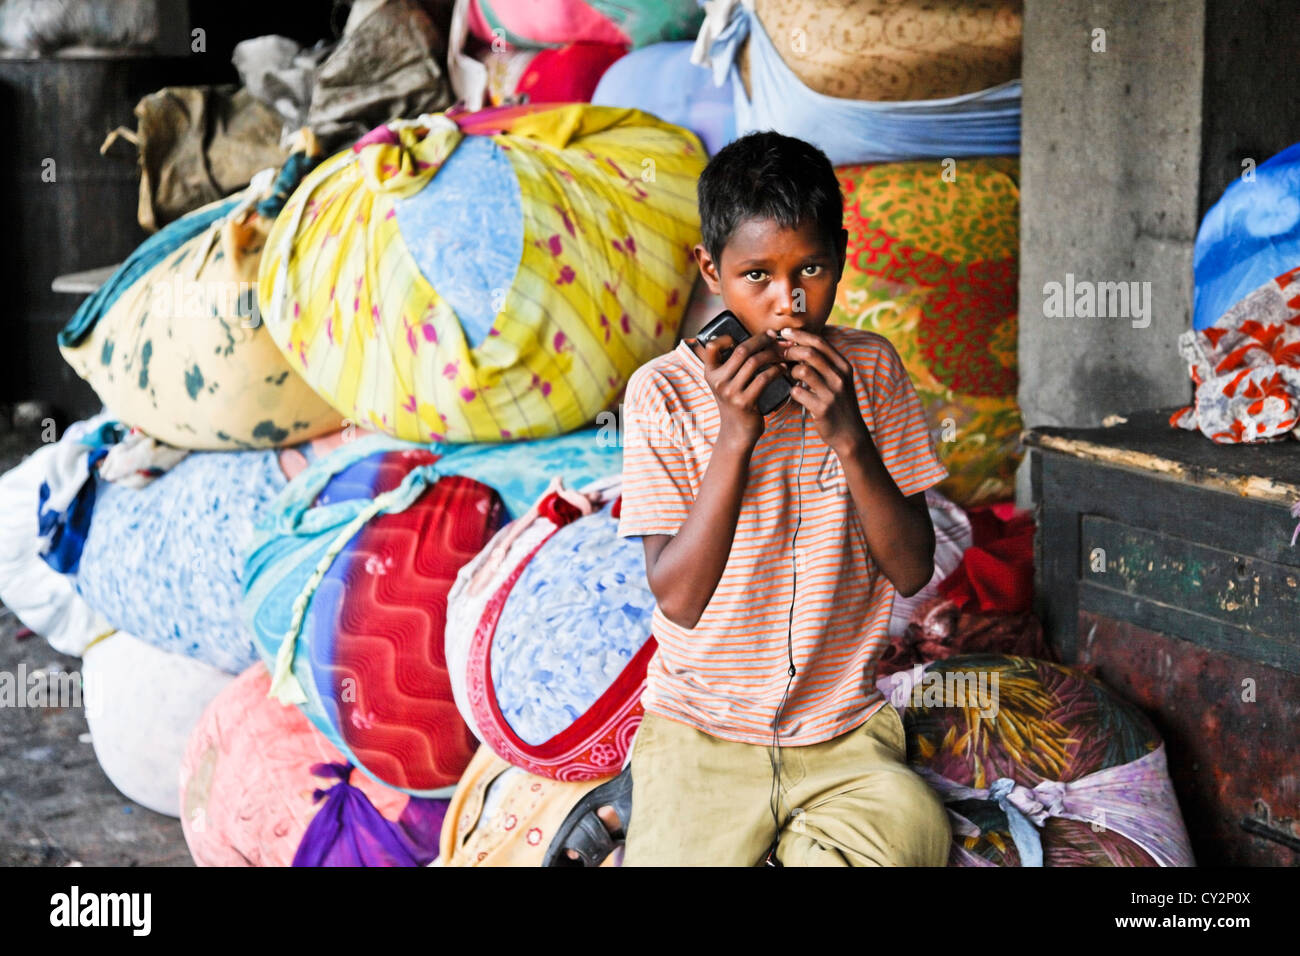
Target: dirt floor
pixel 57 808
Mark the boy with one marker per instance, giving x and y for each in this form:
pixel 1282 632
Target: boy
pixel 773 547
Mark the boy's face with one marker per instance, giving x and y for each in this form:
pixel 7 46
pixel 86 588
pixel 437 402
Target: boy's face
pixel 772 277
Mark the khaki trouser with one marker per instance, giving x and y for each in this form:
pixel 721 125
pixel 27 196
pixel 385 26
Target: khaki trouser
pixel 851 801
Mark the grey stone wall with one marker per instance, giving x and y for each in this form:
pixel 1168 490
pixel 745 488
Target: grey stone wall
pixel 1111 160
pixel 1110 176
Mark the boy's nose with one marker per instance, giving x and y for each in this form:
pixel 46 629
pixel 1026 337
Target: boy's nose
pixel 784 299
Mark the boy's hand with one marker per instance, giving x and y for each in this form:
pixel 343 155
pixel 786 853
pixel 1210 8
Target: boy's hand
pixel 824 386
pixel 738 382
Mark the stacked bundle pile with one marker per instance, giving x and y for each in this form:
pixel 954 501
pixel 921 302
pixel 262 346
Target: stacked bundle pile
pixel 506 52
pixel 269 525
pixel 343 546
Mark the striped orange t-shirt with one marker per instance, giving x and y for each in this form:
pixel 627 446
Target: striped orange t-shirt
pixel 726 675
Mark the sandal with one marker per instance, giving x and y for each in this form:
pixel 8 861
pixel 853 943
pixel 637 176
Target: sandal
pixel 585 833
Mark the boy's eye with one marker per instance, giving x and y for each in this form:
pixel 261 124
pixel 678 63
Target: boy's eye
pixel 755 275
pixel 815 269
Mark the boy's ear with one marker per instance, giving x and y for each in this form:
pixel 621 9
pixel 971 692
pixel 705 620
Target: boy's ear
pixel 843 248
pixel 708 269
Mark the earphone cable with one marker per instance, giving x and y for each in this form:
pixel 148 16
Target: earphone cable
pixel 774 754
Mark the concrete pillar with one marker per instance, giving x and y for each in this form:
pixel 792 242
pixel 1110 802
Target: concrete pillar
pixel 1110 174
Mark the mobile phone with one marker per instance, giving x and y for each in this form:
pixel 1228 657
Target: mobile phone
pixel 776 392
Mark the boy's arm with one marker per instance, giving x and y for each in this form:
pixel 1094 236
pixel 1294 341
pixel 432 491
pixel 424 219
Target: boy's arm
pixel 897 526
pixel 898 529
pixel 684 568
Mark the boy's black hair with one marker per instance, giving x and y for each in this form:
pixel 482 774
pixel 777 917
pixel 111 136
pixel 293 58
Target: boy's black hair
pixel 767 175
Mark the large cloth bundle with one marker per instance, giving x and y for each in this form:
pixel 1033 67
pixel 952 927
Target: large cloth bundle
pixel 1246 367
pixel 255 790
pixel 165 562
pixel 548 637
pixel 1040 765
pixel 359 577
pixel 661 79
pixel 505 816
pixel 629 23
pixel 892 112
pixel 493 277
pixel 890 50
pixel 389 63
pixel 42 598
pixel 933 266
pixel 141 705
pixel 1248 237
pixel 567 74
pixel 174 346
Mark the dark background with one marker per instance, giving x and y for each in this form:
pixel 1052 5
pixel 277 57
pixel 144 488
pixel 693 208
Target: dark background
pixel 62 108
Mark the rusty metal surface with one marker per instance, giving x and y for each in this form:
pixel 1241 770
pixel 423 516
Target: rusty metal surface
pixel 1230 727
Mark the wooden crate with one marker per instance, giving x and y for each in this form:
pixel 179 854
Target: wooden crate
pixel 1164 564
